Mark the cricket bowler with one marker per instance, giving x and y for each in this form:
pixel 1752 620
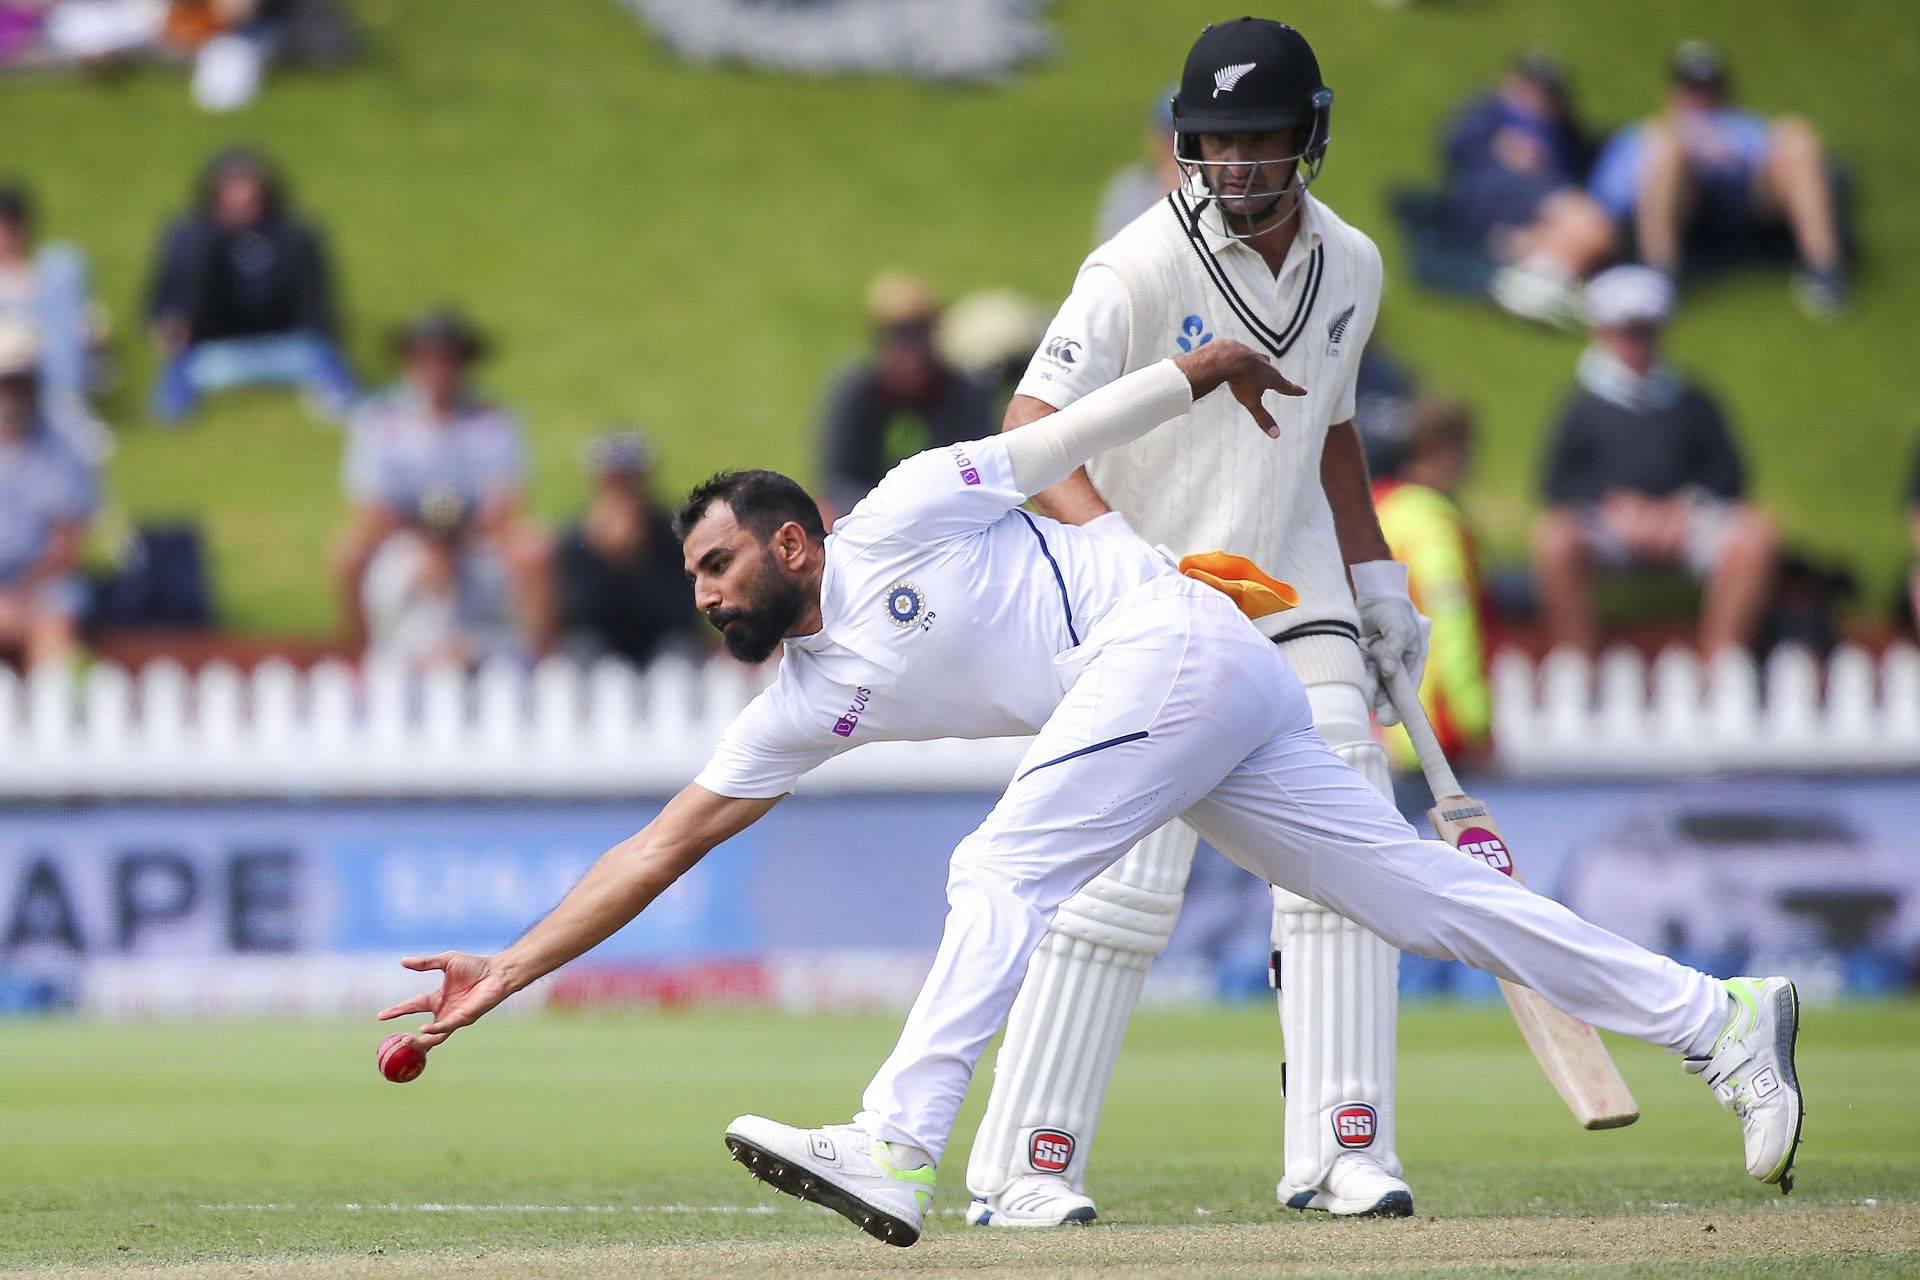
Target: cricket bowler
pixel 1239 250
pixel 938 608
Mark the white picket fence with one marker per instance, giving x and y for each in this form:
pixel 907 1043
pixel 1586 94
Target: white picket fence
pixel 560 729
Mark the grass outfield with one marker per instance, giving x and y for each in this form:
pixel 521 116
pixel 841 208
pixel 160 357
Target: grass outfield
pixel 572 1146
pixel 688 247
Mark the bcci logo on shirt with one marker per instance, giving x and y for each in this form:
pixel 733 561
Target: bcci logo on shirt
pixel 904 604
pixel 1355 1124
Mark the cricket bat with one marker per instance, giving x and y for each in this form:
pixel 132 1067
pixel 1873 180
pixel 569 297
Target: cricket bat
pixel 1568 1050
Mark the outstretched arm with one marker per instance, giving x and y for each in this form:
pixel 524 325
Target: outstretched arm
pixel 1072 501
pixel 1051 449
pixel 615 889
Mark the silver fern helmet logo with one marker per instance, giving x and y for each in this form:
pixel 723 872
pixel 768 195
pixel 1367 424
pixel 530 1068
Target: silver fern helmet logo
pixel 1226 77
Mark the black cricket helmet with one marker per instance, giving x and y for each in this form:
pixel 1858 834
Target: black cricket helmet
pixel 1251 75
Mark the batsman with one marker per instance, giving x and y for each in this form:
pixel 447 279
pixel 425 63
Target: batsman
pixel 1239 250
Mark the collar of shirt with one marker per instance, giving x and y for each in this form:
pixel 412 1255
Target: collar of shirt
pixel 838 645
pixel 409 402
pixel 1305 240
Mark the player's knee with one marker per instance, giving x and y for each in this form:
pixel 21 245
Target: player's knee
pixel 981 874
pixel 1750 541
pixel 1119 916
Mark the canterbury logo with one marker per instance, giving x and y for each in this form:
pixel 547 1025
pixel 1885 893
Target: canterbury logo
pixel 1226 77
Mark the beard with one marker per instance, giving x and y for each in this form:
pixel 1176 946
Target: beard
pixel 753 631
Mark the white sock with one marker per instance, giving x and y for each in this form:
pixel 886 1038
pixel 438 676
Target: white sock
pixel 906 1157
pixel 1704 1039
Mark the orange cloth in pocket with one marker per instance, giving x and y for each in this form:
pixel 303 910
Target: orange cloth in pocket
pixel 1255 591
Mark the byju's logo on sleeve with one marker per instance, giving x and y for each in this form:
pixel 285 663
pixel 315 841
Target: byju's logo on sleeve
pixel 1193 333
pixel 969 474
pixel 844 726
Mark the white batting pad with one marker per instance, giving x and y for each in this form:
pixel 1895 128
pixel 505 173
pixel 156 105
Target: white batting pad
pixel 1339 993
pixel 1063 1036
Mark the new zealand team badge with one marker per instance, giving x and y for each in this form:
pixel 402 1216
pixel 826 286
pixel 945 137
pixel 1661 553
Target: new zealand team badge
pixel 905 604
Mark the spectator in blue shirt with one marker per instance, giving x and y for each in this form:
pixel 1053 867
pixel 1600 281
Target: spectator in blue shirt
pixel 44 287
pixel 46 499
pixel 1704 166
pixel 440 561
pixel 1516 162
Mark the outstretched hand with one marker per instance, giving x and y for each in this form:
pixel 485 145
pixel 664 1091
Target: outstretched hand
pixel 471 986
pixel 1244 371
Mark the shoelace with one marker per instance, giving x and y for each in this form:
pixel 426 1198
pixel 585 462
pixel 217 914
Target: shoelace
pixel 1726 1085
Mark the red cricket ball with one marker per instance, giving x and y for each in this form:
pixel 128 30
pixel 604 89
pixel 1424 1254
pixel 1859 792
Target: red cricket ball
pixel 400 1059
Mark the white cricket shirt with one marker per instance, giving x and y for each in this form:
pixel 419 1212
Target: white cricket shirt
pixel 1167 284
pixel 946 612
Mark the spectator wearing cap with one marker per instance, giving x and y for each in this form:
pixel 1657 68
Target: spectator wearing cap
pixel 1516 162
pixel 45 290
pixel 623 585
pixel 242 294
pixel 439 561
pixel 47 497
pixel 1705 168
pixel 1641 471
pixel 990 336
pixel 902 400
pixel 1418 505
pixel 1138 187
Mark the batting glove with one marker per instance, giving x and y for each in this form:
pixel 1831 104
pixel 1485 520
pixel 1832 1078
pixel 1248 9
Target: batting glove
pixel 1393 633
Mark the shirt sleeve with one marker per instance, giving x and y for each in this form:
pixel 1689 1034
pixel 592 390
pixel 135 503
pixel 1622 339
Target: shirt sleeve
pixel 506 467
pixel 1615 181
pixel 75 492
pixel 1086 345
pixel 936 495
pixel 363 471
pixel 764 752
pixel 1715 465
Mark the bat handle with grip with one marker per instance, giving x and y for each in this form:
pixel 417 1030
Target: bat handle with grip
pixel 1433 761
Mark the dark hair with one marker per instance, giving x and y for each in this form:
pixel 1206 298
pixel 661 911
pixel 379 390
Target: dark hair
pixel 15 205
pixel 761 501
pixel 242 158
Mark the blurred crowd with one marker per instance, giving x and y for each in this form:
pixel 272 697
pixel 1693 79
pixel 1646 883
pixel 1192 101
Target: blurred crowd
pixel 227 45
pixel 440 561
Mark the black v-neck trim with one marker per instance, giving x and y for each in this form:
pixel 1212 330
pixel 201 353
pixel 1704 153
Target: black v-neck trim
pixel 1279 343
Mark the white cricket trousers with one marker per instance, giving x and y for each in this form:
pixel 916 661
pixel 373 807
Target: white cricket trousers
pixel 1182 707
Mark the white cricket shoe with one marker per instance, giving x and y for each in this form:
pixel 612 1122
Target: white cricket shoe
pixel 1751 1071
pixel 1038 1200
pixel 841 1167
pixel 1358 1186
